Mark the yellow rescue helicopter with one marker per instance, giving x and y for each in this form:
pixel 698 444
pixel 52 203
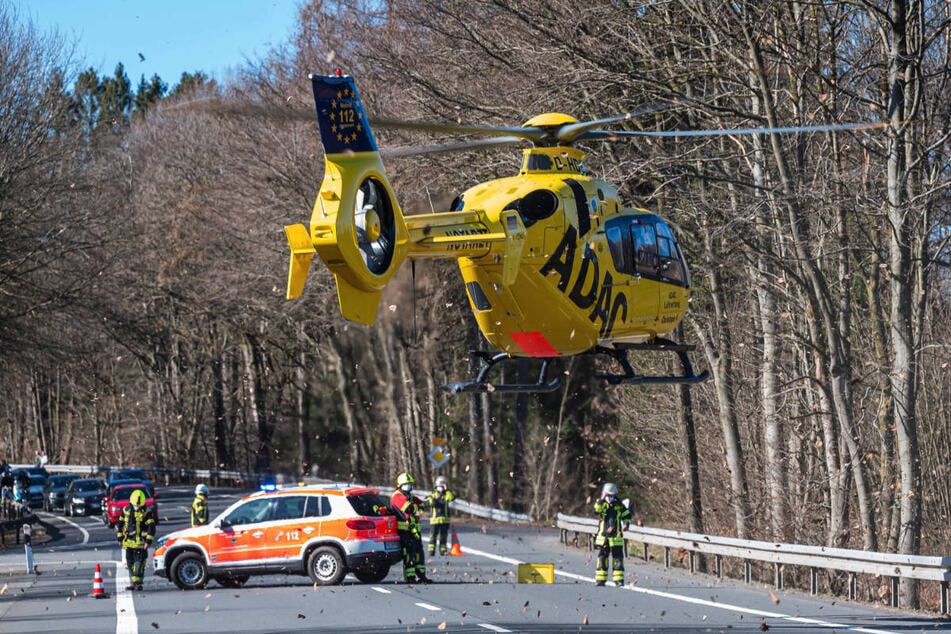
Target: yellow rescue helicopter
pixel 553 263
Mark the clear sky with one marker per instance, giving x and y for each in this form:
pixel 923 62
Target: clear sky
pixel 173 36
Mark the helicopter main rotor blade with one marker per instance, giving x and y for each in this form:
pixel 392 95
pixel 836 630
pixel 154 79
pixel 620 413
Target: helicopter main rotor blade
pixel 608 135
pixel 574 131
pixel 462 146
pixel 450 128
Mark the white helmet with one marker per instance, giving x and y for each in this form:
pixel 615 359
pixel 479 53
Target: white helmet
pixel 201 489
pixel 441 481
pixel 609 489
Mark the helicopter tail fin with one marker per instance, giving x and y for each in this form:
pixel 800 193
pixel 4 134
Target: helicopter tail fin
pixel 357 226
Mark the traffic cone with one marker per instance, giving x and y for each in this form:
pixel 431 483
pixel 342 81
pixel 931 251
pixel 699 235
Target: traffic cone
pixel 455 550
pixel 98 591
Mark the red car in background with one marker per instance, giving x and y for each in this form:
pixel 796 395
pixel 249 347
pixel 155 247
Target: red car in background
pixel 117 498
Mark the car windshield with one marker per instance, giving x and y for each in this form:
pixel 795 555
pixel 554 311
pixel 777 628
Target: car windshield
pixel 124 493
pixel 129 474
pixel 60 480
pixel 368 503
pixel 86 485
pixel 37 480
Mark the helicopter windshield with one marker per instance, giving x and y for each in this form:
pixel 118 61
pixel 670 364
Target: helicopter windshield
pixel 644 245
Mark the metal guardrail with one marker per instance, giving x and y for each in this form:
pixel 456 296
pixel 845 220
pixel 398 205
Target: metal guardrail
pixel 891 566
pixel 177 472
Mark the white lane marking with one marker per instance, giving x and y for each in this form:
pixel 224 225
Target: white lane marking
pixel 126 622
pixel 429 607
pixel 695 601
pixel 81 529
pixel 494 628
pixel 381 590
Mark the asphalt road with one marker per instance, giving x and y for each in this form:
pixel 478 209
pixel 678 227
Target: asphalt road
pixel 477 592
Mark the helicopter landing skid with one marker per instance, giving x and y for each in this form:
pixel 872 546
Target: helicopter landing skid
pixel 630 377
pixel 481 384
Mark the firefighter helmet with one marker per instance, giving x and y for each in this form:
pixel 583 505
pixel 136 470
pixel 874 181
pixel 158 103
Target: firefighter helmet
pixel 137 499
pixel 609 489
pixel 201 489
pixel 441 481
pixel 404 482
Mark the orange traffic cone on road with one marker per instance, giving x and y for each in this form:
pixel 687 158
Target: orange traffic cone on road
pixel 455 550
pixel 98 591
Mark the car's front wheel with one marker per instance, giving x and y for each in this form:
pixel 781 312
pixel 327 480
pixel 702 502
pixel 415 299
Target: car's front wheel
pixel 325 566
pixel 372 574
pixel 189 572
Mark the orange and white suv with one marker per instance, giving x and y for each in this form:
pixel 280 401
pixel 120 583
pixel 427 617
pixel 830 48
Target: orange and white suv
pixel 321 531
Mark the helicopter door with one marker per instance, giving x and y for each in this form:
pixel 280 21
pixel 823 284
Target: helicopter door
pixel 645 265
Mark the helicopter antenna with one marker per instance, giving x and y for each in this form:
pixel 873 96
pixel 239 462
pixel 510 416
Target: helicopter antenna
pixel 412 264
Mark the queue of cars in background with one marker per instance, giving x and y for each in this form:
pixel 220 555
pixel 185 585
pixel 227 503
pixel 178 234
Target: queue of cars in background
pixel 75 495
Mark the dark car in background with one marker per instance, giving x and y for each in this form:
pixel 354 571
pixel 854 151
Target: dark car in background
pixel 34 494
pixel 127 474
pixel 54 493
pixel 84 496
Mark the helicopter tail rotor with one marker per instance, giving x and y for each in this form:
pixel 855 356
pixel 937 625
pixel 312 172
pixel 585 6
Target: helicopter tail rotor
pixel 357 227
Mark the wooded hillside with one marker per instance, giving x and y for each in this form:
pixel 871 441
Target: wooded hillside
pixel 143 262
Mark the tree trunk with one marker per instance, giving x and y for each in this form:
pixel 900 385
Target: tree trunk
pixel 904 374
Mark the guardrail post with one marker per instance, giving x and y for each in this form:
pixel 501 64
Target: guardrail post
pixel 666 556
pixel 778 575
pixel 852 586
pixel 747 570
pixel 718 566
pixel 944 597
pixel 647 554
pixel 693 561
pixel 895 587
pixel 814 581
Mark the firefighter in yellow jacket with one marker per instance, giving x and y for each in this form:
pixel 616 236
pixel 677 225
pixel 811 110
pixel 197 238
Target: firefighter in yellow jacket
pixel 199 511
pixel 610 539
pixel 135 531
pixel 439 501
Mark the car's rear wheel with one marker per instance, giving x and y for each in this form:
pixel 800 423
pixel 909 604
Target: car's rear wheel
pixel 372 574
pixel 232 582
pixel 325 566
pixel 189 572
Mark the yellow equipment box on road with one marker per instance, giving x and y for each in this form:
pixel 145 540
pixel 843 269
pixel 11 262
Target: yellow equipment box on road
pixel 536 573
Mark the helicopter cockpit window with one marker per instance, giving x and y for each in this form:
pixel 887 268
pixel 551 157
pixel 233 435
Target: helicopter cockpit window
pixel 539 163
pixel 616 246
pixel 671 264
pixel 645 248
